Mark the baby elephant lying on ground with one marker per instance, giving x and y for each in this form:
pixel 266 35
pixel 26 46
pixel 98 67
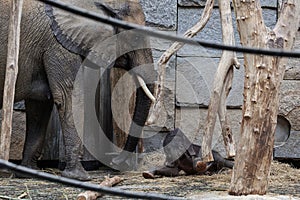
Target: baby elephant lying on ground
pixel 181 154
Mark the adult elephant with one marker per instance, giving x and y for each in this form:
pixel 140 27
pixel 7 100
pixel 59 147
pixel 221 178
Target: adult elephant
pixel 53 45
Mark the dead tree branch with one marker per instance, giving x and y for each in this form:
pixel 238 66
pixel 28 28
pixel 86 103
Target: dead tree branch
pixel 91 195
pixel 221 88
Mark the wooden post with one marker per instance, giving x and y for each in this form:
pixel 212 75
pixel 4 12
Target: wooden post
pixel 10 77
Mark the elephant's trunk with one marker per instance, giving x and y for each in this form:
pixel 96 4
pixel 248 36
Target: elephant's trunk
pixel 144 69
pixel 142 107
pixel 140 115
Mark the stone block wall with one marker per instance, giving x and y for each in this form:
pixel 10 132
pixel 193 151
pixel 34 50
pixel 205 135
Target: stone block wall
pixel 191 71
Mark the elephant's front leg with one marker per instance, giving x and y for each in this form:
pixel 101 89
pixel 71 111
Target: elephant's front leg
pixel 61 68
pixel 72 141
pixel 73 147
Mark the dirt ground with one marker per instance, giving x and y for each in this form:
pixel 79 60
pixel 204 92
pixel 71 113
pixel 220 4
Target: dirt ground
pixel 284 180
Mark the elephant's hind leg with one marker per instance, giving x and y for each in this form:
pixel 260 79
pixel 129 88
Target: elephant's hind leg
pixel 37 118
pixel 61 68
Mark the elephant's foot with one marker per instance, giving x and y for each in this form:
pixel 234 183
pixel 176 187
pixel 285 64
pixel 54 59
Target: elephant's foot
pixel 123 162
pixel 76 173
pixel 32 165
pixel 21 175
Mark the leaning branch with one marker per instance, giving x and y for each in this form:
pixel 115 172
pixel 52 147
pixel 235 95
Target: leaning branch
pixel 162 62
pixel 221 88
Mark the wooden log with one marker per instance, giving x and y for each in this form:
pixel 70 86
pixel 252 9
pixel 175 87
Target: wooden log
pixel 10 77
pixel 91 195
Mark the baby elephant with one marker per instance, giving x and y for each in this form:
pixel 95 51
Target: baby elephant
pixel 181 154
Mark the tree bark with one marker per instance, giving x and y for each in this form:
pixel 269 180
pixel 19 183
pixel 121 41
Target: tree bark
pixel 10 77
pixel 263 75
pixel 221 88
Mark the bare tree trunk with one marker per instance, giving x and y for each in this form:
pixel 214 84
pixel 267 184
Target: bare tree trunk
pixel 10 77
pixel 221 88
pixel 263 75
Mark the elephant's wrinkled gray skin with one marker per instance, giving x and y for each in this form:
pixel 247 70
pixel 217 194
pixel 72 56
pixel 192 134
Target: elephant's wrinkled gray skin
pixel 48 64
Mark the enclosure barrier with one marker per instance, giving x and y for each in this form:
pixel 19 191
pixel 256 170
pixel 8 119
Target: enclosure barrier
pixel 147 31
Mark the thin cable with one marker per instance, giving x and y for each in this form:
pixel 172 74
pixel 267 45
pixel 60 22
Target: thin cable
pixel 151 32
pixel 84 185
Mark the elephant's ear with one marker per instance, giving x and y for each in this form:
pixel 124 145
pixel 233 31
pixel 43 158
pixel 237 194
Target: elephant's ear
pixel 127 10
pixel 76 33
pixel 108 10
